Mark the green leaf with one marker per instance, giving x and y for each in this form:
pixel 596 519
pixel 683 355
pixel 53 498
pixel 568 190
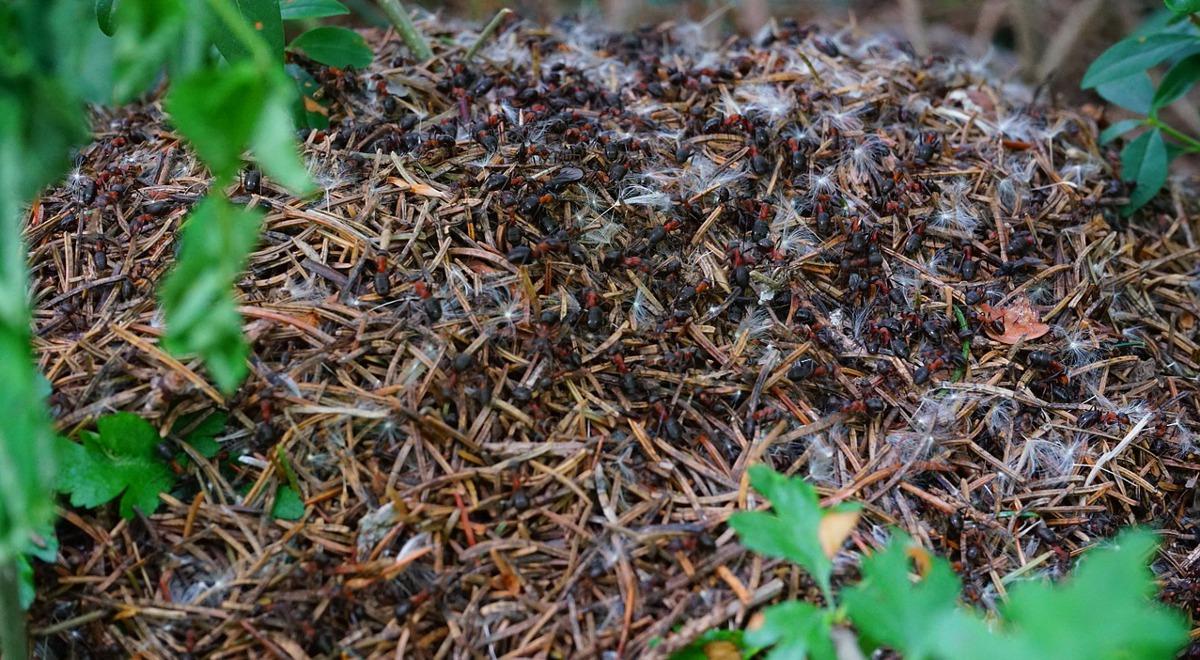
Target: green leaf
pixel 218 111
pixel 794 629
pixel 119 459
pixel 104 18
pixel 1133 93
pixel 274 142
pixel 307 109
pixel 1118 129
pixel 1177 82
pixel 202 317
pixel 288 505
pixel 334 46
pixel 147 35
pixel 792 532
pixel 891 609
pixel 203 437
pixel 41 121
pixel 298 9
pixel 264 19
pixel 1183 6
pixel 1105 610
pixel 1135 54
pixel 1144 161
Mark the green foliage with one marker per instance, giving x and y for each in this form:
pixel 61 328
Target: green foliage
pixel 261 16
pixel 1120 76
pixel 908 600
pixel 301 9
pixel 795 629
pixel 118 459
pixel 792 532
pixel 334 46
pixel 202 317
pixel 40 121
pixel 288 504
pixel 714 644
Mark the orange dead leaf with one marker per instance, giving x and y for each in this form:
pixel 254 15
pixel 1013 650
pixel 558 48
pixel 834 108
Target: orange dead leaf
pixel 1021 322
pixel 834 529
pixel 921 559
pixel 722 650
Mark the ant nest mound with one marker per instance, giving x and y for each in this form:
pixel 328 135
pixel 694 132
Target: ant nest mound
pixel 553 301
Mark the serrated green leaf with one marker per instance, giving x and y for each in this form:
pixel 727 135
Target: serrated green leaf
pixel 794 629
pixel 217 110
pixel 264 19
pixel 1177 82
pixel 1134 93
pixel 274 142
pixel 197 295
pixel 1110 596
pixel 288 504
pixel 1183 6
pixel 299 9
pixel 1144 161
pixel 120 460
pixel 1135 54
pixel 1118 129
pixel 891 609
pixel 792 531
pixel 334 46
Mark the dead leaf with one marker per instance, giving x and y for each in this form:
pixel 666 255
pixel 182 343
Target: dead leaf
pixel 834 529
pixel 1021 322
pixel 921 559
pixel 722 650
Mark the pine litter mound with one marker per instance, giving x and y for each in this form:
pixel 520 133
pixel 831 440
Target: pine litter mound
pixel 550 306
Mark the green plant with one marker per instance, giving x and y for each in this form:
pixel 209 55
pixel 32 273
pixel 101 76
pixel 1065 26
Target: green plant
pixel 122 458
pixel 51 62
pixel 1121 75
pixel 907 599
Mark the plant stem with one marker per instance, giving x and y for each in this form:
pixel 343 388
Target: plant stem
pixel 1192 143
pixel 12 619
pixel 408 32
pixel 487 32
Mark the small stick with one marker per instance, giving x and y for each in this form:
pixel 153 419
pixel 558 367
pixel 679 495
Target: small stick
pixel 487 32
pixel 1116 451
pixel 404 25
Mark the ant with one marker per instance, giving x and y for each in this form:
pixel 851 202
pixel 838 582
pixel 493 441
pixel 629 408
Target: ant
pixel 1044 361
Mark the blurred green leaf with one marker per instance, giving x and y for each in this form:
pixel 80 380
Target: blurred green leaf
pixel 274 141
pixel 1183 6
pixel 1135 54
pixel 1176 83
pixel 40 122
pixel 1105 610
pixel 147 36
pixel 334 46
pixel 264 19
pixel 299 9
pixel 1134 93
pixel 1144 161
pixel 218 110
pixel 1118 129
pixel 119 458
pixel 794 629
pixel 197 296
pixel 714 643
